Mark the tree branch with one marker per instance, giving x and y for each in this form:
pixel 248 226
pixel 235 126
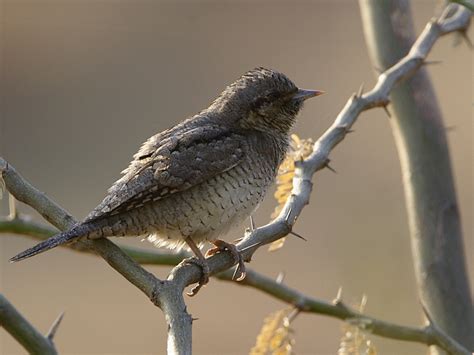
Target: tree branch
pixel 421 142
pixel 26 226
pixel 23 191
pixel 429 335
pixel 154 288
pixel 302 185
pixel 19 328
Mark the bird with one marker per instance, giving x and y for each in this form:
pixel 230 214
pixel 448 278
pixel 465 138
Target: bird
pixel 191 183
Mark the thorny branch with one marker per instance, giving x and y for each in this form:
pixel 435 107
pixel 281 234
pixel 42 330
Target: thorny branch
pixel 429 190
pixel 429 335
pixel 167 294
pixel 27 335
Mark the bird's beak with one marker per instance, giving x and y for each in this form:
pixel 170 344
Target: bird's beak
pixel 303 94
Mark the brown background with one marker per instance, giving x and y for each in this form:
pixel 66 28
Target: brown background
pixel 85 82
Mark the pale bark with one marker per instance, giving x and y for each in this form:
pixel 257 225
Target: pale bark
pixel 418 129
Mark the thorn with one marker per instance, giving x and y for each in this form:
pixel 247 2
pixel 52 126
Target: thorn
pixel 326 165
pixel 450 128
pixel 193 319
pixel 247 232
pixel 288 214
pixel 291 317
pixel 345 128
pixel 427 314
pixel 252 223
pixel 235 273
pixel 361 90
pixel 338 298
pixel 350 131
pixel 431 323
pixel 363 303
pixel 385 108
pixel 249 247
pixel 280 277
pixel 298 236
pixel 13 214
pixel 54 327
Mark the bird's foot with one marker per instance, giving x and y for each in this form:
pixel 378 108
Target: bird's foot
pixel 202 263
pixel 220 246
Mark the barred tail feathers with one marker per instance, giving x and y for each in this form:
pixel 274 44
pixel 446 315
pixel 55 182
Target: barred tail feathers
pixel 50 243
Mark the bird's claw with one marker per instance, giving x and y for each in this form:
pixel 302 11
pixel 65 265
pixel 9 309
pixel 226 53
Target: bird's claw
pixel 204 274
pixel 220 246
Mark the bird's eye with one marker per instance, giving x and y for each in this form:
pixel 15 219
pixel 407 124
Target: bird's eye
pixel 263 103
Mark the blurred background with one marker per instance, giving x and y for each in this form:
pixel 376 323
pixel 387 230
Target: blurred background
pixel 84 83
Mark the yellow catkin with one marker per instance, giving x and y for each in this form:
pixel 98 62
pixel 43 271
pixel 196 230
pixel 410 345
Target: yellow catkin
pixel 275 337
pixel 354 341
pixel 298 149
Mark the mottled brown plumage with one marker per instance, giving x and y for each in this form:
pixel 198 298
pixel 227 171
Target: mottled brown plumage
pixel 191 183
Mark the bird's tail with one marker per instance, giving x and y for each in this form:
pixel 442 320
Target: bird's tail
pixel 72 234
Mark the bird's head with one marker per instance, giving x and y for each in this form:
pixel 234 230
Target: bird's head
pixel 264 100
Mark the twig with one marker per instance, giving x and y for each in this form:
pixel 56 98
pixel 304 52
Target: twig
pixel 23 191
pixel 36 230
pixel 274 288
pixel 302 185
pixel 13 212
pixel 19 328
pixel 444 340
pixel 431 204
pixel 168 298
pixel 429 335
pixel 54 327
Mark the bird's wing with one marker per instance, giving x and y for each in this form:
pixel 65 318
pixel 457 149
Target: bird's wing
pixel 171 162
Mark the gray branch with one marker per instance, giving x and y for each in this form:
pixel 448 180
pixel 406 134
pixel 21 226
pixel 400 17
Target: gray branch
pixel 23 191
pixel 421 142
pixel 19 328
pixel 154 288
pixel 429 335
pixel 24 225
pixel 302 185
pixel 167 294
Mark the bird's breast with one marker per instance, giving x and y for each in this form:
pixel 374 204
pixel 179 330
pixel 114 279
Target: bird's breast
pixel 210 209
